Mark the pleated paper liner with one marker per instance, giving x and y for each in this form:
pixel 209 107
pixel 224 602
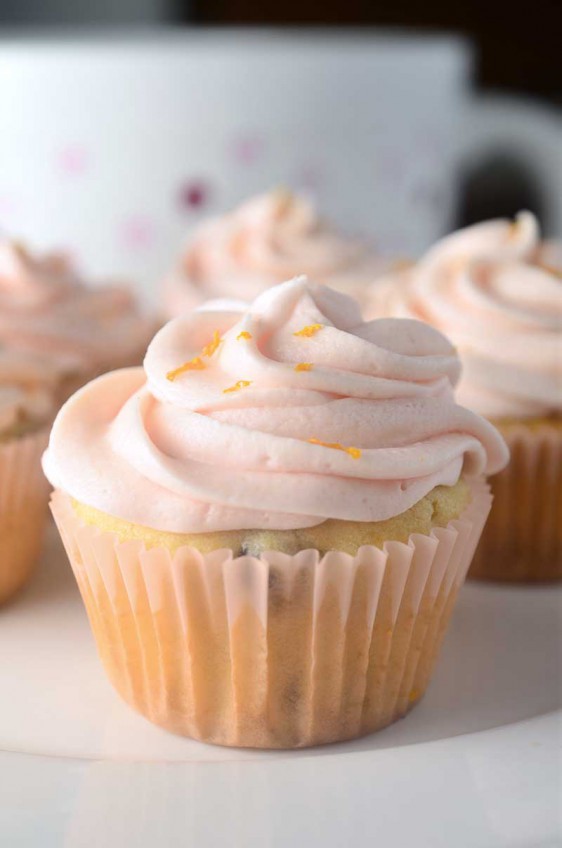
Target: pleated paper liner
pixel 277 652
pixel 522 541
pixel 24 495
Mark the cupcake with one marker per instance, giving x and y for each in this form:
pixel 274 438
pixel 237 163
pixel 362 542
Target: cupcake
pixel 496 290
pixel 26 409
pixel 266 240
pixel 46 310
pixel 269 525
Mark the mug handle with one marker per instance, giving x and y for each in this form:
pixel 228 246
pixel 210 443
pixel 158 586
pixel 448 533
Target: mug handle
pixel 529 131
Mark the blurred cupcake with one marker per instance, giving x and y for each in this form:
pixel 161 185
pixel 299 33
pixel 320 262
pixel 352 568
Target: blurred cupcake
pixel 266 240
pixel 46 310
pixel 497 292
pixel 26 408
pixel 270 524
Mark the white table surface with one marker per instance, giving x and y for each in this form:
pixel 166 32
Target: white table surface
pixel 478 763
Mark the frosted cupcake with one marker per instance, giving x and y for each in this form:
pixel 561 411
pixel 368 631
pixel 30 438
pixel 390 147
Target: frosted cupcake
pixel 270 523
pixel 496 291
pixel 26 408
pixel 46 310
pixel 266 240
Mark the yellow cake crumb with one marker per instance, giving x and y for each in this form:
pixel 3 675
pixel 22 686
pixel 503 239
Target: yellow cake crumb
pixel 436 509
pixel 504 425
pixel 24 425
pixel 304 366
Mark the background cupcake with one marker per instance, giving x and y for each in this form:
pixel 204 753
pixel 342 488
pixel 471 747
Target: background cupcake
pixel 26 408
pixel 47 311
pixel 266 240
pixel 269 527
pixel 496 291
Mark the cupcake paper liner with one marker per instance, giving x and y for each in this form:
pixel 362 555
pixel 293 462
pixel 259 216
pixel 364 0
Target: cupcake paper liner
pixel 24 495
pixel 522 541
pixel 277 652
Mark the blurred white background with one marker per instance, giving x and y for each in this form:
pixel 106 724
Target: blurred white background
pixel 39 12
pixel 116 141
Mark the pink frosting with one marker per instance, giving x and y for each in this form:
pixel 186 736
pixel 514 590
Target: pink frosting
pixel 185 455
pixel 264 241
pixel 495 290
pixel 45 309
pixel 26 388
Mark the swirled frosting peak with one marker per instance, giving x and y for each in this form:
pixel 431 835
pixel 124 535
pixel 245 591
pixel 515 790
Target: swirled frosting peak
pixel 46 309
pixel 266 240
pixel 280 416
pixel 495 290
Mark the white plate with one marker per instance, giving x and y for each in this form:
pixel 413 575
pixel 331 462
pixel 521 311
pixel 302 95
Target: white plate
pixel 478 763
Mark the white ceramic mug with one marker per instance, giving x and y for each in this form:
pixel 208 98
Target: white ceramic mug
pixel 113 149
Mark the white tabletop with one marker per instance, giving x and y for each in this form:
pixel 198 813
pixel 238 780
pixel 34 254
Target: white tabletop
pixel 478 763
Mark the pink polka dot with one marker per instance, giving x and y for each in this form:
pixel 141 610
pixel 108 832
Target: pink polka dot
pixel 247 149
pixel 8 204
pixel 194 195
pixel 73 160
pixel 137 232
pixel 310 177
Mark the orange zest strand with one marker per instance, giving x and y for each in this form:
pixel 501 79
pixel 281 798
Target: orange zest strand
pixel 309 330
pixel 243 335
pixel 304 366
pixel 241 384
pixel 355 453
pixel 210 348
pixel 195 364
